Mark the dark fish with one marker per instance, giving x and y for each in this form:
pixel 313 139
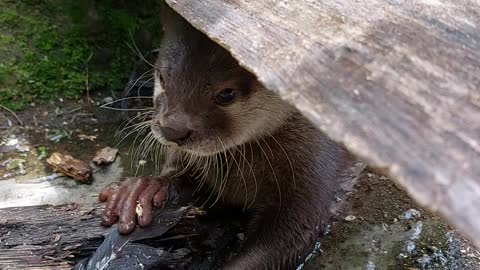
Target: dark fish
pixel 118 252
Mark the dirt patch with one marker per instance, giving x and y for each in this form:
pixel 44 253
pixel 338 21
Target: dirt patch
pixel 382 228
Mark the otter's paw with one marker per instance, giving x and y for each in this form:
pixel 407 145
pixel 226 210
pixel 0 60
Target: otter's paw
pixel 132 201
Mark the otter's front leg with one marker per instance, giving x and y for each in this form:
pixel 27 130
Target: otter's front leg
pixel 123 198
pixel 279 239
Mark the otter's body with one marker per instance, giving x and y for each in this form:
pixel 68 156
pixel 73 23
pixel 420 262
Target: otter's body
pixel 244 145
pixel 286 181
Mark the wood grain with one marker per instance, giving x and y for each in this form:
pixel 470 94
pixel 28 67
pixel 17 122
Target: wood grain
pixel 396 81
pixel 48 237
pixel 58 237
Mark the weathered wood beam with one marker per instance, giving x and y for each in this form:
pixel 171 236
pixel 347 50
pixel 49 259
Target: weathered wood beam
pixel 48 237
pixel 396 81
pixel 58 237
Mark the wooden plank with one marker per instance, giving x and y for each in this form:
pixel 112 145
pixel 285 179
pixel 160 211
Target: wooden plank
pixel 58 237
pixel 48 237
pixel 396 81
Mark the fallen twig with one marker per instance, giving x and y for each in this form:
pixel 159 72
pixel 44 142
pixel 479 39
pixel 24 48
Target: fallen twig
pixel 13 113
pixel 35 121
pixel 87 86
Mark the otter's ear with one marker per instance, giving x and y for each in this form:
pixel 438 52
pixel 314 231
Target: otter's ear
pixel 171 21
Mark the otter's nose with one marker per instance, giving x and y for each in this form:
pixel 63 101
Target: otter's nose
pixel 177 135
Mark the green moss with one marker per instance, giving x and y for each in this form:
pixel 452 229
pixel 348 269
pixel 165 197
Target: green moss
pixel 46 47
pixel 7 17
pixel 7 39
pixel 3 73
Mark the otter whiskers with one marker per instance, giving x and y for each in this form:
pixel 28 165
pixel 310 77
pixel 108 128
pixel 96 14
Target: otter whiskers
pixel 273 172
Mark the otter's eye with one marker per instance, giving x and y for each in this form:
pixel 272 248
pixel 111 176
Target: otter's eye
pixel 226 96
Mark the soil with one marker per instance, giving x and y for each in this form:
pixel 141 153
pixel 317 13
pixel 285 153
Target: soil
pixel 382 228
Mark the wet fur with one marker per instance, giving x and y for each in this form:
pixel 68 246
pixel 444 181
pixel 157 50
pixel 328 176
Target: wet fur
pixel 258 153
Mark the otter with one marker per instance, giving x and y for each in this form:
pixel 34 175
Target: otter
pixel 242 143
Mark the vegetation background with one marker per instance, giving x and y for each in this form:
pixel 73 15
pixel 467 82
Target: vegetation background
pixel 47 47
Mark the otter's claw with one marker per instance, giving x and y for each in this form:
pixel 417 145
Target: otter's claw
pixel 132 201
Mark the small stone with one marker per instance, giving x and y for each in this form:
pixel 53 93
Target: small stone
pixel 412 213
pixel 424 261
pixel 142 162
pixel 410 246
pixel 108 99
pixel 350 218
pixel 370 265
pixel 12 142
pixel 23 148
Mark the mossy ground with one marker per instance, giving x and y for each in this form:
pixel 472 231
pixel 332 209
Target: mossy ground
pixel 48 47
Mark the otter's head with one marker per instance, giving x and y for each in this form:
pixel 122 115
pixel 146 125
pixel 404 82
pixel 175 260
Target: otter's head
pixel 205 102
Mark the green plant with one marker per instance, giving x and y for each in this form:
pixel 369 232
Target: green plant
pixel 45 46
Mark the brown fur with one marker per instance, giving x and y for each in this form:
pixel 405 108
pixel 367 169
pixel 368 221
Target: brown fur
pixel 258 153
pixel 296 171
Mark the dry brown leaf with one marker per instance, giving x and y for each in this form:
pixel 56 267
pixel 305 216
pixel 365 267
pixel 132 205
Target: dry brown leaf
pixel 105 156
pixel 69 166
